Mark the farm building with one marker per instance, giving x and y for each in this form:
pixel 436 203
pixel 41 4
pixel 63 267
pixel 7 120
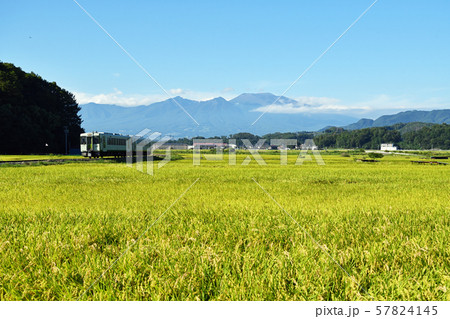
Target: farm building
pixel 173 146
pixel 307 147
pixel 388 147
pixel 209 145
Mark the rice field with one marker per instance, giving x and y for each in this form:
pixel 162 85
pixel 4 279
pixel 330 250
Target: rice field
pixel 346 230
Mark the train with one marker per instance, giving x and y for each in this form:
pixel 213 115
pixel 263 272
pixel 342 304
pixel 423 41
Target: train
pixel 99 144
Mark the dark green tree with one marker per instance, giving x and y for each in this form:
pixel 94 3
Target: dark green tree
pixel 34 114
pixel 415 136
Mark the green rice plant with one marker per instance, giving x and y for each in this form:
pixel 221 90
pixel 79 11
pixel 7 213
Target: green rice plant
pixel 386 223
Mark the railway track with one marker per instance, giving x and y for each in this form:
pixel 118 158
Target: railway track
pixel 55 160
pixel 60 160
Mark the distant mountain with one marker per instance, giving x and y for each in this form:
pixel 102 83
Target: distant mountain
pixel 436 117
pixel 260 99
pixel 362 123
pixel 216 117
pixel 411 127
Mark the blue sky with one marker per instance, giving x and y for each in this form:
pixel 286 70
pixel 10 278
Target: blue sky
pixel 396 57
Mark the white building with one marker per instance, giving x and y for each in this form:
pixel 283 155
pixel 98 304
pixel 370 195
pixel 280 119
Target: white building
pixel 307 147
pixel 388 147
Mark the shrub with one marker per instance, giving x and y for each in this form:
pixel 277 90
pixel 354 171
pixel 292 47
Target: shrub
pixel 376 155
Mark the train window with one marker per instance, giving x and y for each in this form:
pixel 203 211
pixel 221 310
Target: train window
pixel 117 141
pixel 83 140
pixel 96 140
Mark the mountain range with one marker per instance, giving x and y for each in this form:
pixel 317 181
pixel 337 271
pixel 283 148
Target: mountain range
pixel 215 117
pixel 219 117
pixel 435 116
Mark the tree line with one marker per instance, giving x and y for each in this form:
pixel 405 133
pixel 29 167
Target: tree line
pixel 413 135
pixel 407 136
pixel 239 137
pixel 34 114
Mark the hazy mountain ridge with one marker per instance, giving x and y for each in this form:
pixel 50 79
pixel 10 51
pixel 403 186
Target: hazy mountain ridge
pixel 219 117
pixel 215 117
pixel 435 116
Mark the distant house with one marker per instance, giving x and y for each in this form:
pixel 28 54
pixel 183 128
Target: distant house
pixel 173 146
pixel 282 147
pixel 209 145
pixel 308 147
pixel 265 146
pixel 388 147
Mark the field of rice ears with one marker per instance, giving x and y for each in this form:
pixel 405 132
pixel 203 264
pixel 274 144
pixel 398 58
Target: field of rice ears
pixel 386 224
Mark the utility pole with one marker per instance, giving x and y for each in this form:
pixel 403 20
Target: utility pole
pixel 66 132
